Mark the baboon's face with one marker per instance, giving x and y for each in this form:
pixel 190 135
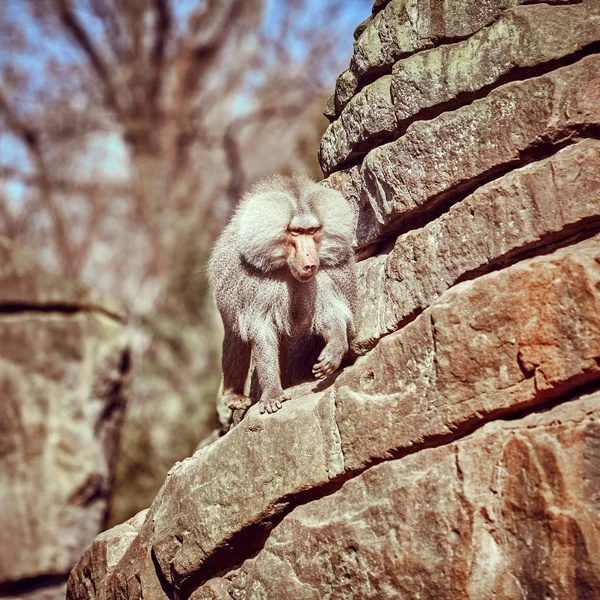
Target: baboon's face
pixel 303 252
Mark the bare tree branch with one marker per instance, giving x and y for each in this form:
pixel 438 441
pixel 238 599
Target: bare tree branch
pixel 64 185
pixel 115 37
pixel 205 38
pixel 74 26
pixel 31 140
pixel 163 25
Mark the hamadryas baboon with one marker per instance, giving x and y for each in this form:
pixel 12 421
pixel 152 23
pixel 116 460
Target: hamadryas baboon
pixel 283 267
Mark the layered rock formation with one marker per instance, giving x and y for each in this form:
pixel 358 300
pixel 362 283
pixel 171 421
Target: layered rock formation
pixel 458 457
pixel 63 364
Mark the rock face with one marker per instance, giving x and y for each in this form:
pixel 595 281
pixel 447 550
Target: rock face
pixel 63 364
pixel 426 83
pixel 492 515
pixel 530 207
pixel 458 457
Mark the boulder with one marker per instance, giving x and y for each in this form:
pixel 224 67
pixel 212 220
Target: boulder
pixel 524 211
pixel 510 511
pixel 403 27
pixel 439 161
pixel 64 361
pixel 535 339
pixel 101 557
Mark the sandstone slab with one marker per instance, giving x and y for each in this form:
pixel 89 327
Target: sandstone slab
pixel 64 361
pixel 367 118
pixel 521 39
pixel 61 383
pixel 329 111
pixel 527 208
pixel 452 154
pixel 407 26
pixel 361 27
pixel 458 458
pixel 511 511
pixel 102 556
pixel 346 85
pixel 487 348
pixel 236 484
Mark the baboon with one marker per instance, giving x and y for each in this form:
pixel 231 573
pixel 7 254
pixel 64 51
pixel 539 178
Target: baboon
pixel 283 267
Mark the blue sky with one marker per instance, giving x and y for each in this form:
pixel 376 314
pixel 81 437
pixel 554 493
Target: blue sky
pixel 39 47
pixel 353 13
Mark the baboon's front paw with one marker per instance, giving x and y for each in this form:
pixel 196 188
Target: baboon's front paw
pixel 328 362
pixel 237 401
pixel 271 405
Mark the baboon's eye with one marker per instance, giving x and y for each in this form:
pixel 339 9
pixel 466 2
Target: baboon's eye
pixel 309 231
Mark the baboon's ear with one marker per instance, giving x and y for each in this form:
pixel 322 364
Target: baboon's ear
pixel 263 219
pixel 339 223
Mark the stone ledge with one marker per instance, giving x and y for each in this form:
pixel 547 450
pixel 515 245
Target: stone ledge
pixel 525 209
pixel 523 38
pixel 501 344
pixel 403 28
pixel 438 160
pixel 507 512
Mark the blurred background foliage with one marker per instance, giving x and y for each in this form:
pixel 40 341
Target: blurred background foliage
pixel 128 130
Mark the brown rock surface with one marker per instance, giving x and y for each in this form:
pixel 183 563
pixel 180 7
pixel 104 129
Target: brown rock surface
pixel 404 27
pixel 329 111
pixel 345 87
pixel 510 511
pixel 63 359
pixel 233 503
pixel 522 38
pixel 369 116
pixel 453 153
pixel 504 343
pixel 103 555
pixel 530 207
pixel 361 27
